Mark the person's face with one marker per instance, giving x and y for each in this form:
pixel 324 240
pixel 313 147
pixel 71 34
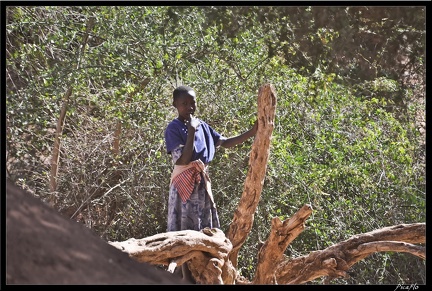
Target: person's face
pixel 186 106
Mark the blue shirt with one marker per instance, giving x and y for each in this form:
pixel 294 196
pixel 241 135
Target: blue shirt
pixel 206 139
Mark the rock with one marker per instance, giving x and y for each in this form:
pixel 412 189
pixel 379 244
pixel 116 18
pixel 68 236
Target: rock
pixel 44 247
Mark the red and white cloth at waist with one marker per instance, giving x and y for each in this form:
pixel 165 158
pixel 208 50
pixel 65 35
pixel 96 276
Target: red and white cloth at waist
pixel 184 178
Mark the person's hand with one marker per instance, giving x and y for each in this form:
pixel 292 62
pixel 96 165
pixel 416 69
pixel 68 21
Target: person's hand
pixel 192 123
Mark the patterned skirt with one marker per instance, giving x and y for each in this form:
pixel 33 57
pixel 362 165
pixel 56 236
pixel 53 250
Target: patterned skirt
pixel 195 214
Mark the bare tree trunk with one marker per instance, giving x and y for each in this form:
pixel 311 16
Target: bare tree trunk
pixel 118 130
pixel 244 215
pixel 56 151
pixel 55 160
pixel 116 143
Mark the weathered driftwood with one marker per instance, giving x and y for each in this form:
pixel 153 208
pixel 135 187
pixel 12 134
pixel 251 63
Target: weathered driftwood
pixel 281 235
pixel 335 261
pixel 244 214
pixel 163 248
pixel 206 252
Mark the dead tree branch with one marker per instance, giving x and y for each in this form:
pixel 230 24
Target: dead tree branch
pixel 244 215
pixel 336 260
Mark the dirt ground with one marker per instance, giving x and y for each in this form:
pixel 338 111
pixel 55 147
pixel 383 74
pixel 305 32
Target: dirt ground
pixel 43 247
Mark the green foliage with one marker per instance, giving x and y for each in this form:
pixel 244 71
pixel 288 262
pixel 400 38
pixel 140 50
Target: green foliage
pixel 345 140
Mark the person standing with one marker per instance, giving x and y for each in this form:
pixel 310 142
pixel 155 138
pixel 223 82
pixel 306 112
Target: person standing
pixel 192 143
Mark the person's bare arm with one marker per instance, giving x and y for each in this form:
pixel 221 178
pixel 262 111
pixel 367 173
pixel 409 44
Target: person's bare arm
pixel 187 152
pixel 233 141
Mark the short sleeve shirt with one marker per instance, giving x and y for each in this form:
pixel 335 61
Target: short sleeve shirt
pixel 206 139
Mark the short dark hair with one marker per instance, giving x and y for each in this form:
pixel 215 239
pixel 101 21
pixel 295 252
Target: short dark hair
pixel 181 90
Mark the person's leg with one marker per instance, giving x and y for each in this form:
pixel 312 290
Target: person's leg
pixel 208 213
pixel 174 210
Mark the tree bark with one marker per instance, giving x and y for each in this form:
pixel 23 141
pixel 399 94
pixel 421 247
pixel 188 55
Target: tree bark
pixel 281 235
pixel 206 251
pixel 336 260
pixel 244 214
pixel 57 143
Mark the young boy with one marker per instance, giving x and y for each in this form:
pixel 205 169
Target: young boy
pixel 192 144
